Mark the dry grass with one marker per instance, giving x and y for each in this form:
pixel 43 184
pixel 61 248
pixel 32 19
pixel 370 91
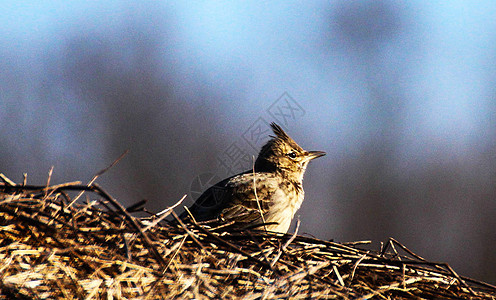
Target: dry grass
pixel 54 247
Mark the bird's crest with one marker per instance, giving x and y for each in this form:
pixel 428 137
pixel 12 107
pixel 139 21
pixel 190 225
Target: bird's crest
pixel 281 136
pixel 279 132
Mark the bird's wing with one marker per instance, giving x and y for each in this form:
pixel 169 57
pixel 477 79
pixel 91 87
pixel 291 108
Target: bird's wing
pixel 235 198
pixel 211 203
pixel 240 214
pixel 247 203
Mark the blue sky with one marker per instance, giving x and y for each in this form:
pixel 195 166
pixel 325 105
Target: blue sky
pixel 271 48
pixel 441 58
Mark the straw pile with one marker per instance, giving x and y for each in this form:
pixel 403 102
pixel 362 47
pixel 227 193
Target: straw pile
pixel 54 247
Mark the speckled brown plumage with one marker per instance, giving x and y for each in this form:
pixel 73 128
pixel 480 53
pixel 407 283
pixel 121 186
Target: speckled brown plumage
pixel 274 189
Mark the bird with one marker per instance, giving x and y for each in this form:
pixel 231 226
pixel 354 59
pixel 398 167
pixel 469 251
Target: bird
pixel 267 196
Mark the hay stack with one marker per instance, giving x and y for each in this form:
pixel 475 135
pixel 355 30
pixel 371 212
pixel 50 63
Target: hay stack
pixel 54 247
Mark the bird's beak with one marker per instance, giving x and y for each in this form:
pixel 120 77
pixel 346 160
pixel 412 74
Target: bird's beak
pixel 314 154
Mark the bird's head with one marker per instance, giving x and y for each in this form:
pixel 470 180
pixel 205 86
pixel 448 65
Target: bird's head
pixel 282 154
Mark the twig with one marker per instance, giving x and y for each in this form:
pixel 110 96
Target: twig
pixel 152 288
pixel 6 180
pixel 460 280
pixel 340 279
pixel 137 206
pixel 226 243
pixel 164 214
pixel 355 266
pixel 98 174
pixel 290 240
pixel 259 247
pixel 189 232
pixel 50 172
pixel 354 243
pixel 394 249
pixel 123 211
pixel 406 249
pixel 256 196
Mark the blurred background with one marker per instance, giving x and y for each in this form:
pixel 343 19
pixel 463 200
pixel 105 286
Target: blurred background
pixel 401 96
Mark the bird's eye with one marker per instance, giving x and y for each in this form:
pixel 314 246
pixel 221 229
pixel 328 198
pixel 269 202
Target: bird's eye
pixel 291 155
